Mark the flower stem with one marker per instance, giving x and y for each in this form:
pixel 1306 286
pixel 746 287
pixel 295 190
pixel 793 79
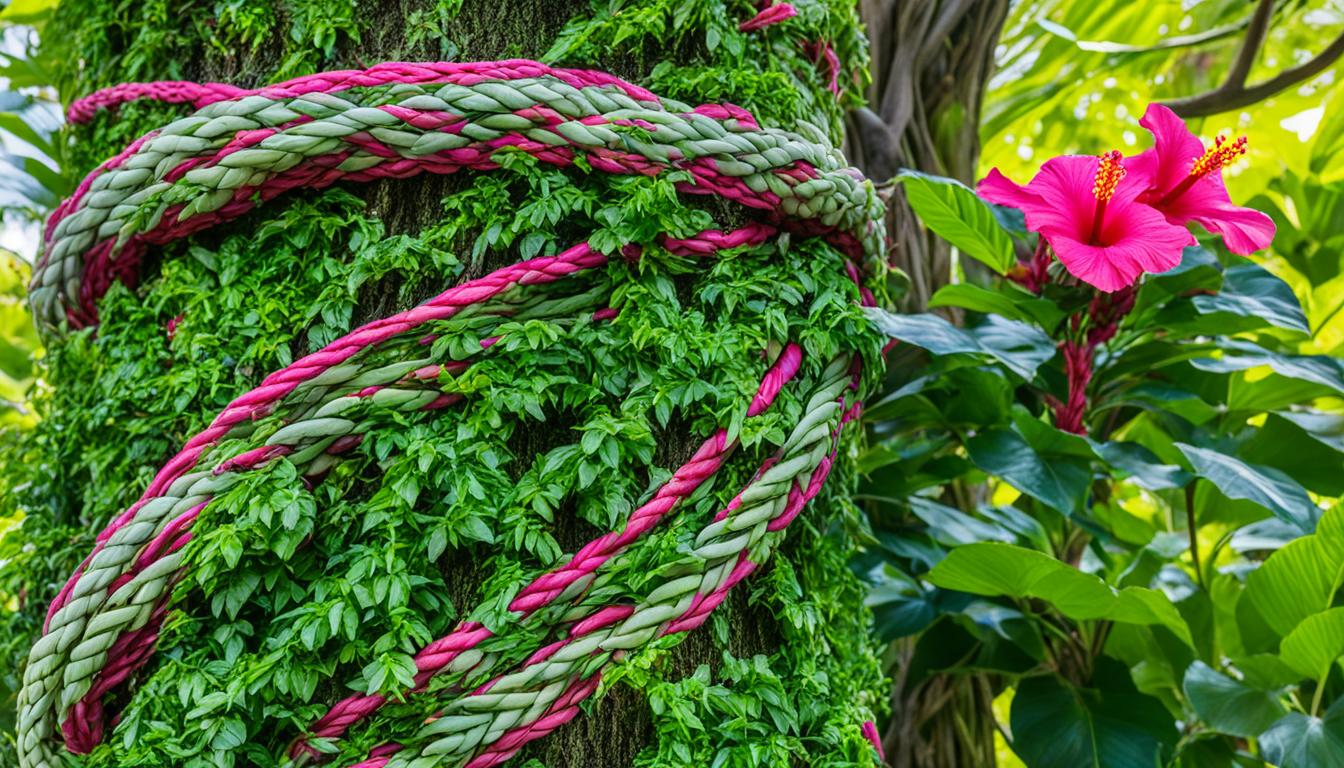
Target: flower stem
pixel 1193 531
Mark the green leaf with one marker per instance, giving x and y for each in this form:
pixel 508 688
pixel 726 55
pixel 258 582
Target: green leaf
pixel 959 216
pixel 1229 706
pixel 1059 484
pixel 1020 347
pixel 1326 428
pixel 1111 725
pixel 1143 468
pixel 27 11
pixel 952 526
pixel 1314 644
pixel 1306 457
pixel 1265 486
pixel 1251 291
pixel 1303 741
pixel 1239 355
pixel 1007 300
pixel 1301 578
pixel 231 735
pixel 995 569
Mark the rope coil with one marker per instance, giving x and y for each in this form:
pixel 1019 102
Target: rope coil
pixel 394 121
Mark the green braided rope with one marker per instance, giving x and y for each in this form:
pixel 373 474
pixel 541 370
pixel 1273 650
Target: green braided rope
pixel 468 722
pixel 63 662
pixel 134 196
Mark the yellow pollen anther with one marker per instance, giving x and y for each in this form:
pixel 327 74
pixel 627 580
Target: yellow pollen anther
pixel 1109 174
pixel 1219 155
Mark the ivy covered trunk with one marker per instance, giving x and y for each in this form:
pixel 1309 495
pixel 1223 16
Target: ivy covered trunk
pixel 299 589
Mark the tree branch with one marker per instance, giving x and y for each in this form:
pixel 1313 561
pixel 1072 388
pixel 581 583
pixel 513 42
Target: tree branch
pixel 1229 95
pixel 1250 46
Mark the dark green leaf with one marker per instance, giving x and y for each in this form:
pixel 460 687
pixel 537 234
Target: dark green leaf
pixel 1251 291
pixel 1020 347
pixel 1112 725
pixel 1265 486
pixel 1059 484
pixel 1302 741
pixel 1228 705
pixel 1239 355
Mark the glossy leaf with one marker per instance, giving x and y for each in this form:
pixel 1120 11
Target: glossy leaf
pixel 995 569
pixel 1020 347
pixel 1301 741
pixel 1111 725
pixel 954 212
pixel 1057 483
pixel 1249 290
pixel 1315 644
pixel 1228 705
pixel 1301 578
pixel 1265 486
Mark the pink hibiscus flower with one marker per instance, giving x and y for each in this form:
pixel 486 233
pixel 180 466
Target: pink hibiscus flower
pixel 1087 209
pixel 1186 182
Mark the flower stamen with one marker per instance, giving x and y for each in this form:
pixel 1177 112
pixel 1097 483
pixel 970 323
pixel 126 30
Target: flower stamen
pixel 1109 174
pixel 1218 156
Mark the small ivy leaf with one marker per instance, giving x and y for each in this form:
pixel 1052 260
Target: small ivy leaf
pixel 231 735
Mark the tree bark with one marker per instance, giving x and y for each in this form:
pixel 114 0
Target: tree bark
pixel 620 724
pixel 931 62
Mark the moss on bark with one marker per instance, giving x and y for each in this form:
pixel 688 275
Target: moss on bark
pixel 790 675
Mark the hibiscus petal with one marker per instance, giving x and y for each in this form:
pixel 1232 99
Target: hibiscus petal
pixel 999 189
pixel 1244 230
pixel 1139 239
pixel 1175 148
pixel 1066 206
pixel 1092 264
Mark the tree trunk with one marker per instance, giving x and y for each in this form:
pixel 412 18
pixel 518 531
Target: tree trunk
pixel 801 616
pixel 931 62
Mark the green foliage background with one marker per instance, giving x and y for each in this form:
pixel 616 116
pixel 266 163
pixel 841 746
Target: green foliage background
pixel 1166 588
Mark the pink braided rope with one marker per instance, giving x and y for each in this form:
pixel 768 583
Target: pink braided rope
pixel 459 73
pixel 695 615
pixel 869 729
pixel 437 655
pixel 701 608
pixel 110 259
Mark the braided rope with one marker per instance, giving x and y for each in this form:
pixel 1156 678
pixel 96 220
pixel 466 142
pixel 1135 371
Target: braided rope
pixel 215 164
pixel 398 120
pixel 724 553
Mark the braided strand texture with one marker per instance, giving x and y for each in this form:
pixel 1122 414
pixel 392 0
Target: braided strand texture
pixel 393 122
pixel 397 120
